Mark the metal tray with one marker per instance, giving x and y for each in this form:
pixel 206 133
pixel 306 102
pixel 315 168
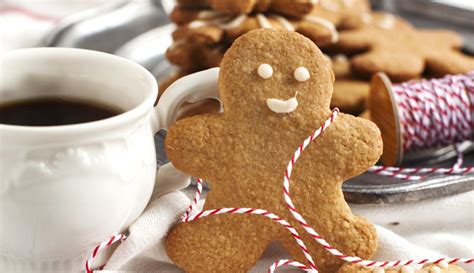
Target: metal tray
pixel 107 26
pixel 149 48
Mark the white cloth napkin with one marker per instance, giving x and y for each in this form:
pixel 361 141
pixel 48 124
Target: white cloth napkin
pixel 441 227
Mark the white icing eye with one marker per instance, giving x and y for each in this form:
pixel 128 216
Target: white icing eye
pixel 265 71
pixel 301 74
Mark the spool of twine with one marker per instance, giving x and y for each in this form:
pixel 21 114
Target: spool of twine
pixel 420 115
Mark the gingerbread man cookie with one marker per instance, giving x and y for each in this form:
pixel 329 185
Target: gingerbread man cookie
pixel 276 88
pixel 292 8
pixel 388 43
pixel 442 267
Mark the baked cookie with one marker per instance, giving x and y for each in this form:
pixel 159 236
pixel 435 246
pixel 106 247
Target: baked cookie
pixel 389 44
pixel 440 268
pixel 344 14
pixel 194 57
pixel 211 27
pixel 350 94
pixel 293 8
pixel 243 153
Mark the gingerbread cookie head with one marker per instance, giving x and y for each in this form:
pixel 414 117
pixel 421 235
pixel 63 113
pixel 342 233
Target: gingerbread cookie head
pixel 276 80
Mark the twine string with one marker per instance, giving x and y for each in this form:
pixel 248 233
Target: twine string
pixel 302 221
pixel 434 113
pixel 100 247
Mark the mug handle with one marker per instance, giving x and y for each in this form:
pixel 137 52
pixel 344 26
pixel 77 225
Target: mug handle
pixel 192 88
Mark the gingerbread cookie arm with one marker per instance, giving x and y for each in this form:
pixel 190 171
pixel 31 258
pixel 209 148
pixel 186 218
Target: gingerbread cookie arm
pixel 182 16
pixel 350 268
pixel 293 8
pixel 318 33
pixel 451 62
pixel 190 145
pixel 247 25
pixel 353 41
pixel 404 66
pixel 193 57
pixel 352 135
pixel 203 35
pixel 449 38
pixel 448 59
pixel 233 6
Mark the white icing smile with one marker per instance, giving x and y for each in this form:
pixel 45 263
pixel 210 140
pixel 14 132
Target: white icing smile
pixel 283 106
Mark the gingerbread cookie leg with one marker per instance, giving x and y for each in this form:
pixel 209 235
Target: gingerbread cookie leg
pixel 336 221
pixel 365 235
pixel 227 249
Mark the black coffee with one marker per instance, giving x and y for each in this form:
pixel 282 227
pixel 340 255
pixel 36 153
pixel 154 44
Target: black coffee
pixel 53 111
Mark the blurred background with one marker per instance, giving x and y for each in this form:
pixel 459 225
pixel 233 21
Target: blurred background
pixel 140 30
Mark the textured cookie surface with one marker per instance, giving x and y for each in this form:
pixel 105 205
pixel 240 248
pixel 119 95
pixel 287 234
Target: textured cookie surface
pixel 243 153
pixel 388 43
pixel 350 94
pixel 193 57
pixel 342 13
pixel 426 269
pixel 209 27
pixel 292 8
pixel 205 32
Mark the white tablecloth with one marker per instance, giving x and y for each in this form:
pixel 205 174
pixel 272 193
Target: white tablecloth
pixel 430 228
pixel 440 227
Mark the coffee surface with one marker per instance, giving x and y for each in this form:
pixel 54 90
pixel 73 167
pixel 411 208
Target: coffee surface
pixel 53 112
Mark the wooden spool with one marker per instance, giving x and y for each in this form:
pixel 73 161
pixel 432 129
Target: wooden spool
pixel 384 112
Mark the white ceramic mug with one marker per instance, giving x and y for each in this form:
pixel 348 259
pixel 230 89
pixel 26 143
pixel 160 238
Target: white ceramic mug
pixel 63 189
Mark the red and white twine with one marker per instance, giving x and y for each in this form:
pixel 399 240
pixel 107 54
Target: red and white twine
pixel 304 223
pixel 432 113
pixel 98 248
